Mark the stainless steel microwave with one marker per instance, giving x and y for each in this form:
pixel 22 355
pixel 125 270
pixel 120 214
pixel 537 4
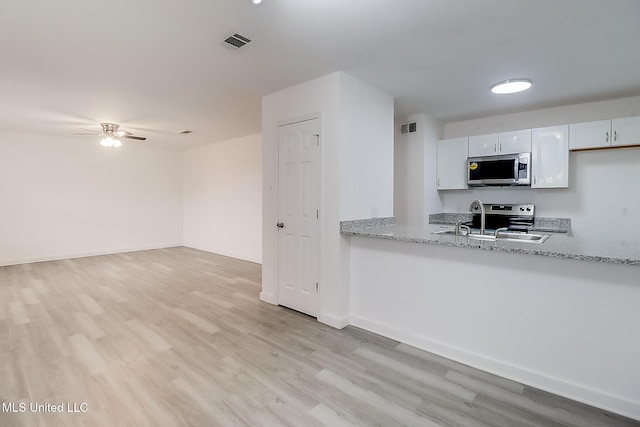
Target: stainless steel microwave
pixel 506 169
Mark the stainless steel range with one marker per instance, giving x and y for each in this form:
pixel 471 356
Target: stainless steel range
pixel 497 223
pixel 511 217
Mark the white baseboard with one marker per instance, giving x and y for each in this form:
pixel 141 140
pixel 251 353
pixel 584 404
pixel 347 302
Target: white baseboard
pixel 270 298
pixel 333 321
pixel 243 257
pixel 558 386
pixel 59 257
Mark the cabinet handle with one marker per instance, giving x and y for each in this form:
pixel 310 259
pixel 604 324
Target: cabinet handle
pixel 495 149
pixel 500 147
pixel 607 140
pixel 615 135
pixel 438 182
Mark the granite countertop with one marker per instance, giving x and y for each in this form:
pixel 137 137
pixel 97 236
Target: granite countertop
pixel 559 245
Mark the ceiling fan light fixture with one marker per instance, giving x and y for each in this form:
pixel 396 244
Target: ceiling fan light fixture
pixel 511 86
pixel 111 136
pixel 107 141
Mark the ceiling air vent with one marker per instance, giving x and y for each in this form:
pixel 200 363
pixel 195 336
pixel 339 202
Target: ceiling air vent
pixel 236 41
pixel 409 127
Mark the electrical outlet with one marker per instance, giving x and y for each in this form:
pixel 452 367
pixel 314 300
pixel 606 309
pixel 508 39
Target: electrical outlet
pixel 625 212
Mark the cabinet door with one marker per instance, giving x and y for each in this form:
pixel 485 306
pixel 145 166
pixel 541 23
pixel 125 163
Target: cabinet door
pixel 626 131
pixel 590 135
pixel 550 157
pixel 452 164
pixel 483 145
pixel 518 141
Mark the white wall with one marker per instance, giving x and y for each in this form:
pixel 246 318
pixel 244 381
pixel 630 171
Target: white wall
pixel 62 197
pixel 366 151
pixel 569 327
pixel 222 198
pixel 433 130
pixel 415 170
pixel 611 109
pixel 601 183
pixel 335 99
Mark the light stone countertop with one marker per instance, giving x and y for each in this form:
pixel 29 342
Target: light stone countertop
pixel 559 245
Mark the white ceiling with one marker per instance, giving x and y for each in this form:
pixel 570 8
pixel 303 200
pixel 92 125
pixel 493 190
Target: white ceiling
pixel 158 66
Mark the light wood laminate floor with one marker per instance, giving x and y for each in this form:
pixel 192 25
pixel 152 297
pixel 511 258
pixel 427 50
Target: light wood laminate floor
pixel 179 337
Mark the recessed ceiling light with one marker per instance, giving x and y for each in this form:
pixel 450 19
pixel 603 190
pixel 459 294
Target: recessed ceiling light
pixel 256 1
pixel 511 86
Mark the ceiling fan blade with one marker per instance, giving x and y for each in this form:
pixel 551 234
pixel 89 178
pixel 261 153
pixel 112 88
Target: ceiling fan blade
pixel 139 138
pixel 93 132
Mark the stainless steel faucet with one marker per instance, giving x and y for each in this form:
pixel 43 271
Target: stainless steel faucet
pixel 482 214
pixel 460 226
pixel 498 230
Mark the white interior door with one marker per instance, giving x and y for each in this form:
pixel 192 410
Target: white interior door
pixel 299 200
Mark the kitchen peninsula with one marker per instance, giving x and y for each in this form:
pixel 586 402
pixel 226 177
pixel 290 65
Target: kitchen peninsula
pixel 558 246
pixel 561 316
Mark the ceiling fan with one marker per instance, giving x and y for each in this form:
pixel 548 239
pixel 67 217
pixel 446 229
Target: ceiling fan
pixel 111 135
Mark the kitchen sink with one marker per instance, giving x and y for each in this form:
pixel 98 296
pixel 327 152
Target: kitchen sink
pixel 451 232
pixel 526 237
pixel 523 237
pixel 502 236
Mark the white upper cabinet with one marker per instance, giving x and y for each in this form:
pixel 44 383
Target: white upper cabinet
pixel 605 133
pixel 590 135
pixel 452 164
pixel 483 145
pixel 500 143
pixel 518 141
pixel 550 157
pixel 626 131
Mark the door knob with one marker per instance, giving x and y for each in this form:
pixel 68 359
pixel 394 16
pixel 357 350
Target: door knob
pixel 280 225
